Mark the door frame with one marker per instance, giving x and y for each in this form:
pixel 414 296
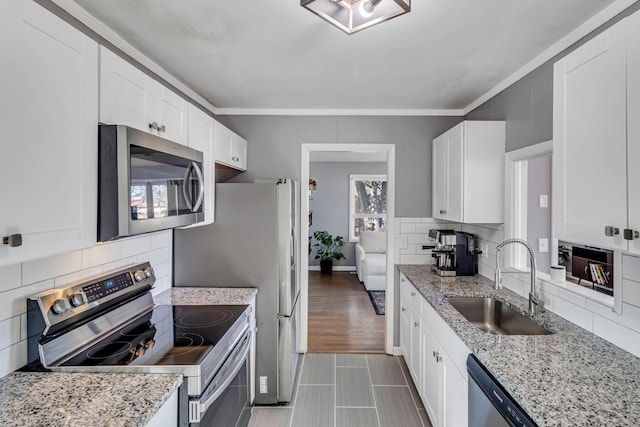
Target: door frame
pixel 305 151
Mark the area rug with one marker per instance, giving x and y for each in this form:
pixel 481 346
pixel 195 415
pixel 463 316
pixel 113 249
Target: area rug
pixel 377 299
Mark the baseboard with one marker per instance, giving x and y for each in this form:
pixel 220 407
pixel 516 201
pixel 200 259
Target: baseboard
pixel 397 351
pixel 335 268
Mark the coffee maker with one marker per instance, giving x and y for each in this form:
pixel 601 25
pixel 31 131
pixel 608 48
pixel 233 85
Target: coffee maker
pixel 455 253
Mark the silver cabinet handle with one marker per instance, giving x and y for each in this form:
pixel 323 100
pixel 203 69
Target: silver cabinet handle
pixel 413 294
pixel 434 353
pixel 403 309
pixel 162 128
pixel 153 126
pixel 611 231
pixel 629 234
pixel 416 324
pixel 13 240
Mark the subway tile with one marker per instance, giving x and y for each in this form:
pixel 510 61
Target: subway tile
pixel 135 246
pixel 419 239
pixel 631 267
pixel 119 264
pixel 23 326
pixel 67 279
pixel 631 292
pixel 9 331
pixel 573 313
pixel 162 239
pixel 602 310
pixel 407 228
pixel 415 259
pixel 154 257
pixel 14 302
pixel 12 358
pixel 423 229
pixel 385 370
pixel 549 288
pixel 547 300
pixel 48 268
pixel 410 250
pixel 353 387
pixel 617 334
pixel 101 254
pixel 402 242
pixel 10 277
pixel 630 317
pixel 410 220
pixel 356 417
pixel 578 300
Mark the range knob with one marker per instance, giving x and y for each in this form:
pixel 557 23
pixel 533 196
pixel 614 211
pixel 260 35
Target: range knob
pixel 77 299
pixel 60 306
pixel 149 343
pixel 139 275
pixel 148 272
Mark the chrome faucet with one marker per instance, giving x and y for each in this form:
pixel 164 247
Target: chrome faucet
pixel 534 300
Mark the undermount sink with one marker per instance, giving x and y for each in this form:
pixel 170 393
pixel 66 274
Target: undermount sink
pixel 495 317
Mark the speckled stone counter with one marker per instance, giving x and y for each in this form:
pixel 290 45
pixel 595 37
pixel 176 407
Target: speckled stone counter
pixel 569 378
pixel 83 400
pixel 205 296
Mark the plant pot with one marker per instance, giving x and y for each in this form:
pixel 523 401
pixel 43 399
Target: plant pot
pixel 326 266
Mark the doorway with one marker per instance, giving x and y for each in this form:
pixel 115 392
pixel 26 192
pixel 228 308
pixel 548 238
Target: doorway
pixel 386 152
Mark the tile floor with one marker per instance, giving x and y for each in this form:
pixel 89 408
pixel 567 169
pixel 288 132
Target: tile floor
pixel 348 390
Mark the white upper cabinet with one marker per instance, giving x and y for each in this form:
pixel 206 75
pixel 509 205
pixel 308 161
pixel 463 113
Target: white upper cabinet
pixel 595 99
pixel 130 97
pixel 633 130
pixel 48 117
pixel 468 173
pixel 231 148
pixel 201 138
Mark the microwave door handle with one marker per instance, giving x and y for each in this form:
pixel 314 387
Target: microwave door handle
pixel 186 187
pixel 201 183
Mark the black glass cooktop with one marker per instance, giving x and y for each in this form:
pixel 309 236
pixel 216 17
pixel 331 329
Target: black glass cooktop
pixel 166 335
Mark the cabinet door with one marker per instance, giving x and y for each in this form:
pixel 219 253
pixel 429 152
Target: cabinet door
pixel 633 126
pixel 405 320
pixel 454 410
pixel 455 161
pixel 125 93
pixel 224 144
pixel 440 175
pixel 589 142
pixel 48 117
pixel 431 381
pixel 239 152
pixel 201 134
pixel 170 114
pixel 416 350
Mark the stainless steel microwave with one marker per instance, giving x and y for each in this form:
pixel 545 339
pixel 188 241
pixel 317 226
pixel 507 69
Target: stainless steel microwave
pixel 146 183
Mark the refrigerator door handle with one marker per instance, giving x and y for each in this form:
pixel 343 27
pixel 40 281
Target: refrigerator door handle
pixel 293 309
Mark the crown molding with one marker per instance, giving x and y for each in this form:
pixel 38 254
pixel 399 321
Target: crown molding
pixel 335 112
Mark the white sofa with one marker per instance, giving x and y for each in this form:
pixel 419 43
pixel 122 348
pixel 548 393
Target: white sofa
pixel 371 260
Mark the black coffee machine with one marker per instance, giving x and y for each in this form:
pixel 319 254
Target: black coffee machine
pixel 455 253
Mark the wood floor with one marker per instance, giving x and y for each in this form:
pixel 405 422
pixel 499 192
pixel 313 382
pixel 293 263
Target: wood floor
pixel 341 316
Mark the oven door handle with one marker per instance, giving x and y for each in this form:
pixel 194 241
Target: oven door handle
pixel 228 372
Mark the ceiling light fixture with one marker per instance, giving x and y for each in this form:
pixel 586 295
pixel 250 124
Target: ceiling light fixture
pixel 352 16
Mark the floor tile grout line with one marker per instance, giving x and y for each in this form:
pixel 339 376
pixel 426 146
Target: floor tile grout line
pixel 295 400
pixel 373 394
pixel 415 404
pixel 335 390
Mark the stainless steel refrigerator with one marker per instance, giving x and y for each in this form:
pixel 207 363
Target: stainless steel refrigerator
pixel 252 243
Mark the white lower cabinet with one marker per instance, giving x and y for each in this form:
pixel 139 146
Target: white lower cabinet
pixel 167 415
pixel 440 357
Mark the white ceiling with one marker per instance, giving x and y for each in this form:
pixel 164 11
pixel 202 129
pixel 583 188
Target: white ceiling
pixel 252 54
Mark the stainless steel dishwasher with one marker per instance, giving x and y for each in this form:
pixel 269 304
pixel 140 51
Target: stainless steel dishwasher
pixel 489 404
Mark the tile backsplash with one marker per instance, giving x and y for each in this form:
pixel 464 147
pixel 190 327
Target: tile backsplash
pixel 590 312
pixel 19 281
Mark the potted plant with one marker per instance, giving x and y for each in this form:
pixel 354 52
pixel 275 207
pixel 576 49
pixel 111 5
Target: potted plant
pixel 326 252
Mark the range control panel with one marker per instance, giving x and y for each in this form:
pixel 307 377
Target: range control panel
pixel 61 304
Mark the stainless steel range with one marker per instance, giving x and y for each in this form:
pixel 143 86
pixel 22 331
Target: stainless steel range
pixel 110 324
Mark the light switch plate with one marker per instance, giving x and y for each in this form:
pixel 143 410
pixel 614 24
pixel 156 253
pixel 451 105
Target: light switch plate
pixel 543 245
pixel 543 201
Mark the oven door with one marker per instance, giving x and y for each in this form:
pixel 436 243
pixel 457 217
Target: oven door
pixel 225 401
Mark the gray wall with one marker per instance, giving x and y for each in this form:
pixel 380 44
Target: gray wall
pixel 274 148
pixel 539 219
pixel 330 202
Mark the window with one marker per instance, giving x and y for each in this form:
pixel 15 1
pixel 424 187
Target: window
pixel 367 204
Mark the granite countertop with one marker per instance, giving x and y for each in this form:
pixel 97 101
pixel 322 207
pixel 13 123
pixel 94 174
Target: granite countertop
pixel 569 378
pixel 83 400
pixel 205 296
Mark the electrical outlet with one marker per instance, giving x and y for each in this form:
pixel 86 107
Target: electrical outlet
pixel 263 384
pixel 543 245
pixel 543 201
